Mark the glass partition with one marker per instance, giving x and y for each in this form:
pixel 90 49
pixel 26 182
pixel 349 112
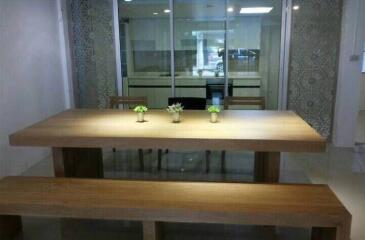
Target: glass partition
pixel 199 39
pixel 145 50
pixel 202 30
pixel 254 40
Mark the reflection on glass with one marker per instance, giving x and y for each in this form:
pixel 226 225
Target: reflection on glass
pixel 199 31
pixel 199 37
pixel 254 40
pixel 251 30
pixel 145 50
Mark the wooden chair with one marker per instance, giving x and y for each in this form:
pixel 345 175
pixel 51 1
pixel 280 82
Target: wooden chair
pixel 189 103
pixel 240 101
pixel 116 101
pixel 244 101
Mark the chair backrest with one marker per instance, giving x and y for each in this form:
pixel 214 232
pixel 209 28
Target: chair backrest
pixel 244 101
pixel 190 103
pixel 115 101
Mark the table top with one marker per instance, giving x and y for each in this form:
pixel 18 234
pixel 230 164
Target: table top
pixel 268 131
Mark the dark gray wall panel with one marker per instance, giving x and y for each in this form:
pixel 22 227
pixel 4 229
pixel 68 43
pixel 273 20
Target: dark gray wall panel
pixel 314 51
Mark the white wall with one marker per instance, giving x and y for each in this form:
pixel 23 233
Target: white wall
pixel 31 77
pixel 349 79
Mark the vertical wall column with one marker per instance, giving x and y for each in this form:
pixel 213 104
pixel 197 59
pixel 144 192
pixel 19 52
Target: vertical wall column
pixel 313 66
pixel 93 52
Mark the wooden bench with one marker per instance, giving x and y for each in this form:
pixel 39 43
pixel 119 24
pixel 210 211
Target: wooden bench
pixel 313 206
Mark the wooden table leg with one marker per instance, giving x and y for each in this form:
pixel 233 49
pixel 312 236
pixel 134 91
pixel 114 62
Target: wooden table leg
pixel 267 170
pixel 141 162
pixel 159 159
pixel 10 227
pixel 323 233
pixel 207 160
pixel 267 167
pixel 152 230
pixel 78 162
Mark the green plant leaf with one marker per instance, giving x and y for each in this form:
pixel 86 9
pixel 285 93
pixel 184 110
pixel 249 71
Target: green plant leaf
pixel 214 109
pixel 140 109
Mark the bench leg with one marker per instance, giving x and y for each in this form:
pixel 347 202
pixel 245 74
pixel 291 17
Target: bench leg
pixel 78 162
pixel 10 227
pixel 323 233
pixel 267 167
pixel 152 230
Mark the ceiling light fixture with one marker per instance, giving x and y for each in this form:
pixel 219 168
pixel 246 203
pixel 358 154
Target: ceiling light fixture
pixel 127 0
pixel 255 10
pixel 296 7
pixel 155 13
pixel 230 9
pixel 166 11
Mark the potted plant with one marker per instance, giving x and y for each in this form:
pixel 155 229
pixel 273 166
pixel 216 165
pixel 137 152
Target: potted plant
pixel 175 110
pixel 140 110
pixel 214 110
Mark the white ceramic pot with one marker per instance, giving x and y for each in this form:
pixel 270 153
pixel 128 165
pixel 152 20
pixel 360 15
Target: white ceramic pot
pixel 213 117
pixel 176 117
pixel 140 117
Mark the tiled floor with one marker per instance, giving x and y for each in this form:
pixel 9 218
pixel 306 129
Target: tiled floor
pixel 337 167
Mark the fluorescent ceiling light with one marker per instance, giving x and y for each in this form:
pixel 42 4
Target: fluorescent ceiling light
pixel 155 13
pixel 255 10
pixel 296 7
pixel 230 9
pixel 166 10
pixel 127 0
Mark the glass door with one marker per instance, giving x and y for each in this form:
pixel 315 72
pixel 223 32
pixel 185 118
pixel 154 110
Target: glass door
pixel 189 39
pixel 254 42
pixel 199 39
pixel 145 50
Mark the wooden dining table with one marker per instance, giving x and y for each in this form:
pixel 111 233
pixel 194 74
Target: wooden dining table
pixel 77 137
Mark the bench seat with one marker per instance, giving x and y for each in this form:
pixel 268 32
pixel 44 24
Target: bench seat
pixel 153 202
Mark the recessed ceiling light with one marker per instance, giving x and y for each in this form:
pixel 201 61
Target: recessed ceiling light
pixel 230 9
pixel 127 0
pixel 166 10
pixel 296 7
pixel 155 13
pixel 255 10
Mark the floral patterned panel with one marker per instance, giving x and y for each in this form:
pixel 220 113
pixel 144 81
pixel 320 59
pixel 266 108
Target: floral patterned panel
pixel 93 52
pixel 314 51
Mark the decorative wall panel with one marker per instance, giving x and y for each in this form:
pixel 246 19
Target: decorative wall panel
pixel 93 52
pixel 314 51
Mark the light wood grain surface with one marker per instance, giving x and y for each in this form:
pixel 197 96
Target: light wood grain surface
pixel 231 203
pixel 279 131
